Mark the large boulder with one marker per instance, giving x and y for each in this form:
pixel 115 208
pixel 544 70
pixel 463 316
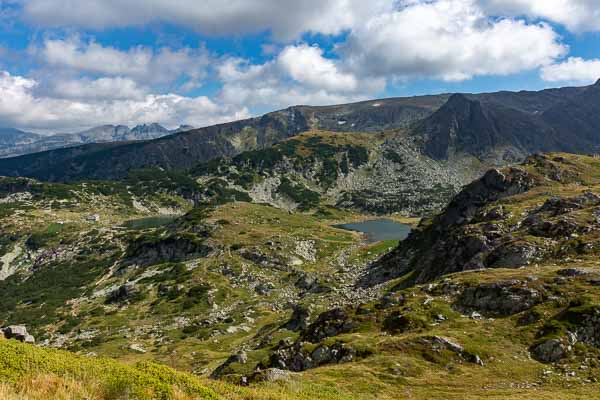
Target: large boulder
pixel 499 298
pixel 299 320
pixel 300 357
pixel 17 332
pixel 550 351
pixel 513 255
pixel 328 324
pixel 125 293
pixel 271 375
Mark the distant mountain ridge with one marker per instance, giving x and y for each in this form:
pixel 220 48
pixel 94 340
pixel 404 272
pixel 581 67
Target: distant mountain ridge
pixel 433 145
pixel 187 149
pixel 14 142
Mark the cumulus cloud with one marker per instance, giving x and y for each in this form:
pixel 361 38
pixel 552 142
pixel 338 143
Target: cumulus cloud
pixel 19 106
pixel 102 88
pixel 140 63
pixel 382 41
pixel 300 74
pixel 450 40
pixel 576 15
pixel 286 19
pixel 573 70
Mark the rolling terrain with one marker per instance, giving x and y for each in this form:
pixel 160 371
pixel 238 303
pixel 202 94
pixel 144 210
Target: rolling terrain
pixel 286 303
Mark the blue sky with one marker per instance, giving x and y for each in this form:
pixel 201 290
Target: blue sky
pixel 67 65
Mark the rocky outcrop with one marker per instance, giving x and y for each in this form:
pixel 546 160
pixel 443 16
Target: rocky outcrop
pixel 491 224
pixel 579 323
pixel 299 357
pixel 550 351
pixel 447 244
pixel 17 332
pixel 299 320
pixel 146 251
pixel 311 284
pixel 125 293
pixel 238 358
pixel 438 343
pixel 328 324
pixel 498 299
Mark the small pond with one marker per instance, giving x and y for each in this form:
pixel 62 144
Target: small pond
pixel 149 222
pixel 378 230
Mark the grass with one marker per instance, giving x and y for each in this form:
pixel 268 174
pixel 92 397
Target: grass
pixel 31 373
pixel 34 371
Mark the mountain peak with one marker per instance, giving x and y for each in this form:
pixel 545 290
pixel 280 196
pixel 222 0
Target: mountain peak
pixel 459 125
pixel 153 127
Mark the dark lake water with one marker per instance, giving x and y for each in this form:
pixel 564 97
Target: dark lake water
pixel 378 230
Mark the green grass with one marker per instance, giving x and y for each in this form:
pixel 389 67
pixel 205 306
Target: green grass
pixel 114 380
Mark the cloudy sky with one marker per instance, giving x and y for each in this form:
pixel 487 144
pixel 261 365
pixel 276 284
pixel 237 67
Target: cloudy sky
pixel 66 65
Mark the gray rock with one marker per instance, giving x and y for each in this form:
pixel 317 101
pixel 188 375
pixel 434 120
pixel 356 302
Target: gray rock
pixel 498 299
pixel 123 293
pixel 272 375
pixel 321 355
pixel 549 351
pixel 297 358
pixel 513 255
pixel 264 289
pixel 328 324
pixel 299 320
pixel 240 358
pixel 439 342
pixel 572 272
pixel 18 332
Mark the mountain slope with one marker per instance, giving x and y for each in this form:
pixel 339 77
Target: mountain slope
pixel 502 128
pixel 184 150
pixel 13 139
pixel 361 171
pixel 294 307
pixel 544 209
pixel 60 374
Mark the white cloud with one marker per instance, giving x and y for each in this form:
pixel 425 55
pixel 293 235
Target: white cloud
pixel 103 88
pixel 285 18
pixel 576 15
pixel 20 107
pixel 449 40
pixel 573 70
pixel 300 74
pixel 140 63
pixel 82 82
pixel 306 65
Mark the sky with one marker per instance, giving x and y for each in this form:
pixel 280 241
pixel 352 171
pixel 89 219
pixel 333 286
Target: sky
pixel 68 65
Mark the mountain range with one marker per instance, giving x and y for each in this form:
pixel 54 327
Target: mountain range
pixel 430 148
pixel 14 142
